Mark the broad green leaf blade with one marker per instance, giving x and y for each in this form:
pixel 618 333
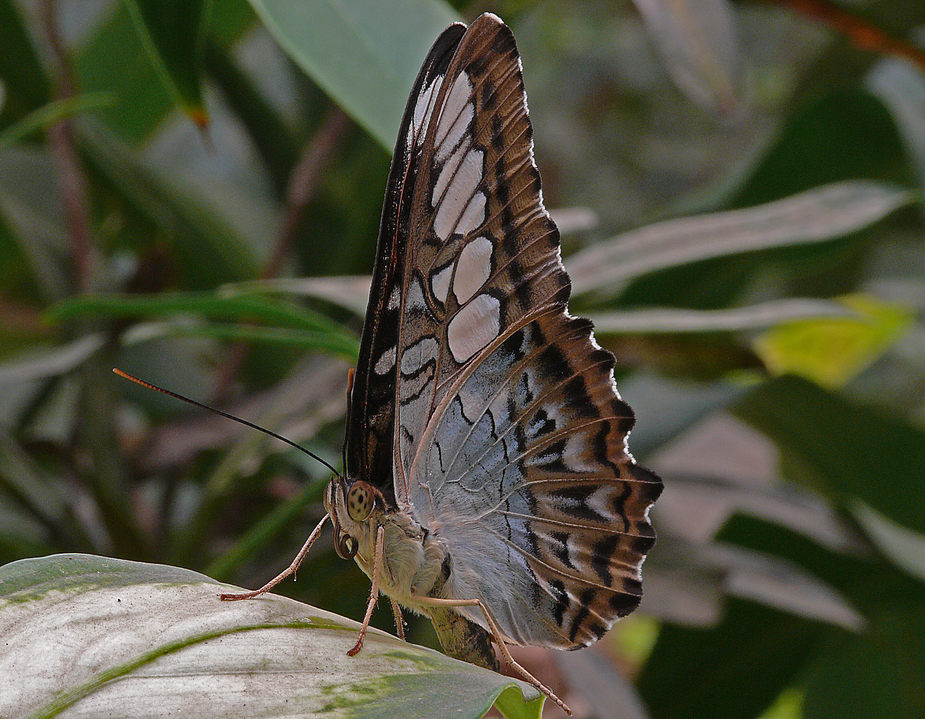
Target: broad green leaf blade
pixel 876 675
pixel 365 55
pixel 172 32
pixel 845 133
pixel 658 320
pixel 818 215
pixel 833 350
pixel 731 671
pixel 112 59
pixel 93 636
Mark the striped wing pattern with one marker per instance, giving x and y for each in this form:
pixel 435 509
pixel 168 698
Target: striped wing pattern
pixel 508 434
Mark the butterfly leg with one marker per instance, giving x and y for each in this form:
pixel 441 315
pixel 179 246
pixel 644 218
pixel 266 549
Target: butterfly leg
pixel 499 641
pixel 399 619
pixel 291 569
pixel 373 592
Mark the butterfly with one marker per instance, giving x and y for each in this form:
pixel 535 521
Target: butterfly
pixel 487 479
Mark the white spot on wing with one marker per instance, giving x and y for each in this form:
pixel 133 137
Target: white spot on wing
pixel 415 299
pixel 473 216
pixel 424 108
pixel 473 268
pixel 418 354
pixel 394 298
pixel 440 282
pixel 455 116
pixel 474 326
pixel 386 361
pixel 460 210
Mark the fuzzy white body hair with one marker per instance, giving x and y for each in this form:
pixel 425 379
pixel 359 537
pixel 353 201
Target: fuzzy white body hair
pixel 411 559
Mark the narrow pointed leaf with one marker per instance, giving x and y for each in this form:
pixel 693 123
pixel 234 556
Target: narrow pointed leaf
pixel 818 215
pixel 173 32
pixel 659 320
pixel 833 350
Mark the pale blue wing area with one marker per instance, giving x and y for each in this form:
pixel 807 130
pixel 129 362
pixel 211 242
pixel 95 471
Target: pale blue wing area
pixel 524 477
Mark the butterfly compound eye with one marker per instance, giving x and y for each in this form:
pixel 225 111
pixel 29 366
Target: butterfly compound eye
pixel 360 501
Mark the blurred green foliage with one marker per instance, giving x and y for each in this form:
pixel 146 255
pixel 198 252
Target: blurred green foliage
pixel 788 577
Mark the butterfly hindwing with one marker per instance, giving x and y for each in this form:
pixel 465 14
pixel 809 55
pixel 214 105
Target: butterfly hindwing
pixel 509 435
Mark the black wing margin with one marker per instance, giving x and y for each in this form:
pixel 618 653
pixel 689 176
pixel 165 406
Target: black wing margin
pixel 368 441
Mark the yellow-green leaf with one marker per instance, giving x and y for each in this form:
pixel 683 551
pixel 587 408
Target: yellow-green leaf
pixel 833 350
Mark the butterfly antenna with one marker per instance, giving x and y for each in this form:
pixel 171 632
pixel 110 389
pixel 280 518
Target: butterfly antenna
pixel 193 402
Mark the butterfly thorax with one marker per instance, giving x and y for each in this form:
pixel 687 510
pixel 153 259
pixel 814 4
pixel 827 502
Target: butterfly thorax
pixel 415 563
pixel 412 558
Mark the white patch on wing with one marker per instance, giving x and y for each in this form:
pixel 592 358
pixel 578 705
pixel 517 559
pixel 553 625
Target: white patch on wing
pixel 415 299
pixel 576 452
pixel 386 361
pixel 473 216
pixel 474 326
pixel 440 282
pixel 472 401
pixel 418 354
pixel 394 298
pixel 455 116
pixel 473 268
pixel 459 208
pixel 424 108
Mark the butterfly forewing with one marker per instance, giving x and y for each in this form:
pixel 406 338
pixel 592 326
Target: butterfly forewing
pixel 485 252
pixel 371 413
pixel 509 435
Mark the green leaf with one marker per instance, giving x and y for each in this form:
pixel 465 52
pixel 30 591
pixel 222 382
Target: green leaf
pixel 51 113
pixel 817 215
pixel 124 632
pixel 832 351
pixel 295 325
pixel 364 55
pixel 845 134
pixel 846 450
pixel 732 671
pixel 348 291
pixel 113 60
pixel 172 32
pixel 25 85
pixel 252 307
pixel 210 247
pixel 876 675
pixel 658 320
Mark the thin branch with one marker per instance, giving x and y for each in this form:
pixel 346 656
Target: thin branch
pixel 71 179
pixel 303 183
pixel 862 33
